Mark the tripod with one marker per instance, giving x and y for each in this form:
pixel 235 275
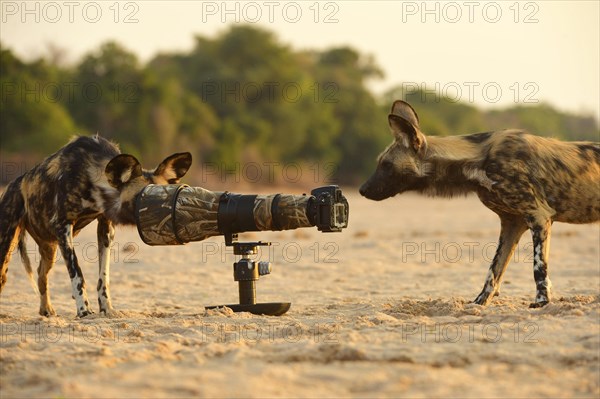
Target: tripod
pixel 247 272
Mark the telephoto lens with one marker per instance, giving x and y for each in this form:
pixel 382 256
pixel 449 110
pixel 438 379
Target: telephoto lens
pixel 177 214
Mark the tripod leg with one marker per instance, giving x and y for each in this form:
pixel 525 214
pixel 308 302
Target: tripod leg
pixel 247 292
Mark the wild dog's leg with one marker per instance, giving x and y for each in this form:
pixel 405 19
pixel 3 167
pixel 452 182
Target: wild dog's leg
pixel 48 254
pixel 106 234
pixel 65 241
pixel 512 229
pixel 541 245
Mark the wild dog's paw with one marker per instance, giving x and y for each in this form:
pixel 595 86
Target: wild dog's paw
pixel 484 298
pixel 48 311
pixel 105 306
pixel 537 305
pixel 84 312
pixel 479 301
pixel 541 300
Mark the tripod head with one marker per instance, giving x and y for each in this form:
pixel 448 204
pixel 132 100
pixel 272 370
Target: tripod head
pixel 246 272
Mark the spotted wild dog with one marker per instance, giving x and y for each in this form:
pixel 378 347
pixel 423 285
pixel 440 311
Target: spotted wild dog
pixel 529 181
pixel 85 180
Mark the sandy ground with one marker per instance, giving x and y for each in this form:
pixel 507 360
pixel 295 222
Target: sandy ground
pixel 380 310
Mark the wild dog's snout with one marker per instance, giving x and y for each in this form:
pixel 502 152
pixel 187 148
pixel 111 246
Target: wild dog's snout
pixel 373 189
pixel 363 189
pixel 367 191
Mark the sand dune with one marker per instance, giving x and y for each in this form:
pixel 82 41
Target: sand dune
pixel 380 310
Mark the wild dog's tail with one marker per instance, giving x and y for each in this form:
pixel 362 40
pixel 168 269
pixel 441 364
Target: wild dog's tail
pixel 26 261
pixel 12 210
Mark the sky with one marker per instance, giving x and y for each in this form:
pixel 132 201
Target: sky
pixel 491 54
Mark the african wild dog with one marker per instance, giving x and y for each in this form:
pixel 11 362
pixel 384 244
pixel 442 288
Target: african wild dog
pixel 85 180
pixel 529 181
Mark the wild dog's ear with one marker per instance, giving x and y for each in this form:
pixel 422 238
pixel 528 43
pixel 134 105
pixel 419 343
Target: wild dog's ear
pixel 404 110
pixel 122 169
pixel 404 123
pixel 174 167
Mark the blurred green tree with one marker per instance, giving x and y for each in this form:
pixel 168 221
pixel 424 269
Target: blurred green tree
pixel 108 91
pixel 32 120
pixel 343 73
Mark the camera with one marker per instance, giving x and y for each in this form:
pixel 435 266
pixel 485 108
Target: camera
pixel 178 214
pixel 328 209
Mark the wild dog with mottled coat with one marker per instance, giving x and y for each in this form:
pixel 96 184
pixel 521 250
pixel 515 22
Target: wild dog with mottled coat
pixel 529 181
pixel 87 179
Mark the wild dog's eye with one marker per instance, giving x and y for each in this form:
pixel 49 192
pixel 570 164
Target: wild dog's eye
pixel 386 165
